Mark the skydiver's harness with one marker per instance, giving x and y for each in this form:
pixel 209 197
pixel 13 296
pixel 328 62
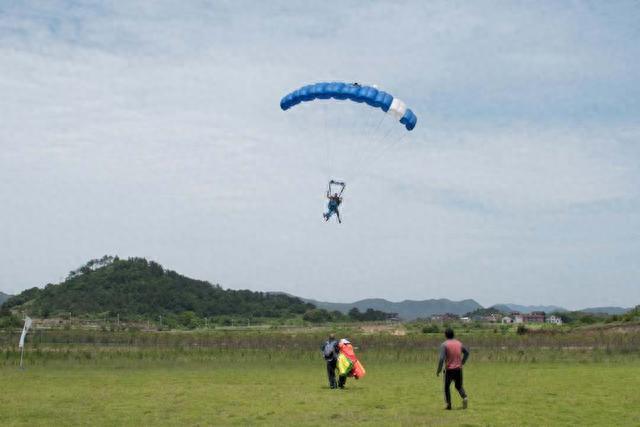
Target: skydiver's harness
pixel 334 202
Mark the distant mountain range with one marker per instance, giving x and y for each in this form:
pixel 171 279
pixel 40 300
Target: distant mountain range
pixel 407 310
pixel 411 310
pixel 605 310
pixel 4 297
pixel 555 308
pixel 140 287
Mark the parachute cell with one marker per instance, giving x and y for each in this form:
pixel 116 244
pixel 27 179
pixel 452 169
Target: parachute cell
pixel 356 93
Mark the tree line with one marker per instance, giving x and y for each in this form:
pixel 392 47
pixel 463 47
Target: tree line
pixel 136 288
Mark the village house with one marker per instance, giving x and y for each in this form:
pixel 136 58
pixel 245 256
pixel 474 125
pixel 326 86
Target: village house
pixel 445 318
pixel 491 318
pixel 554 320
pixel 534 317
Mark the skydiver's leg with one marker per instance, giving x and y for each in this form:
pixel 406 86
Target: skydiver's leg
pixel 338 215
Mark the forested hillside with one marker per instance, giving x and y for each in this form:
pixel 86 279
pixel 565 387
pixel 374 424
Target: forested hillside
pixel 137 287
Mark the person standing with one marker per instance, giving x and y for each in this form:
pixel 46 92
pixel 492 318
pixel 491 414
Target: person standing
pixel 330 353
pixel 453 355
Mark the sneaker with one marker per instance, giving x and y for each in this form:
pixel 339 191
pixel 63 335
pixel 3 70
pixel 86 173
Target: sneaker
pixel 448 408
pixel 465 403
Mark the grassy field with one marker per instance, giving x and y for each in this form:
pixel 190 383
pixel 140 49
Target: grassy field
pixel 126 392
pixel 84 377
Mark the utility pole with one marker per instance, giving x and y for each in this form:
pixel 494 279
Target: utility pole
pixel 118 320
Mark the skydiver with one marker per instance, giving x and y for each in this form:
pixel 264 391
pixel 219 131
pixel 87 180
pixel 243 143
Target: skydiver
pixel 334 201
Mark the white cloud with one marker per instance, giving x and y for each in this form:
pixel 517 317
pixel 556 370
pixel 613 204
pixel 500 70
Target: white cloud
pixel 153 129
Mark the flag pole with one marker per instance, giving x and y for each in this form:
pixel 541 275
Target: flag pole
pixel 25 329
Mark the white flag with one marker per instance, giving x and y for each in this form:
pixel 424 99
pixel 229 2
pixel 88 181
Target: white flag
pixel 25 329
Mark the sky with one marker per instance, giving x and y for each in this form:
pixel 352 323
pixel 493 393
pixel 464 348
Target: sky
pixel 153 129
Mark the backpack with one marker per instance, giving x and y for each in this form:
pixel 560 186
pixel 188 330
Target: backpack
pixel 329 350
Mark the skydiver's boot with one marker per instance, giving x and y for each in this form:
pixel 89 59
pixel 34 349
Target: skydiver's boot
pixel 465 403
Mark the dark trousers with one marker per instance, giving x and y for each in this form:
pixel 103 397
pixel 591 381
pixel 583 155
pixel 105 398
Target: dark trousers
pixel 342 380
pixel 454 375
pixel 331 372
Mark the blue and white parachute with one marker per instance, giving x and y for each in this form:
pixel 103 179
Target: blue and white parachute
pixel 355 92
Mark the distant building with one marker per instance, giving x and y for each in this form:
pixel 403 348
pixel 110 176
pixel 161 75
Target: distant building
pixel 554 320
pixel 534 317
pixel 393 317
pixel 507 320
pixel 445 318
pixel 491 318
pixel 465 319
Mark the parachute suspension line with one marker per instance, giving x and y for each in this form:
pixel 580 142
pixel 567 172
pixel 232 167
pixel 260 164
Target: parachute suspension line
pixel 378 144
pixel 363 143
pixel 327 137
pixel 334 120
pixel 358 142
pixel 379 154
pixel 385 149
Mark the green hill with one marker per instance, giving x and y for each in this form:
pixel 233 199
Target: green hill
pixel 140 288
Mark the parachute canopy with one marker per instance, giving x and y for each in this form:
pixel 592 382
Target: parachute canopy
pixel 353 92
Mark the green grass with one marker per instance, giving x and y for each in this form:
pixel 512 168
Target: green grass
pixel 295 393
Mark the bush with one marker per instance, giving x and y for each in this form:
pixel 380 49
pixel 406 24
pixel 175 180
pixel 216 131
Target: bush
pixel 9 321
pixel 431 328
pixel 317 315
pixel 522 329
pixel 189 320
